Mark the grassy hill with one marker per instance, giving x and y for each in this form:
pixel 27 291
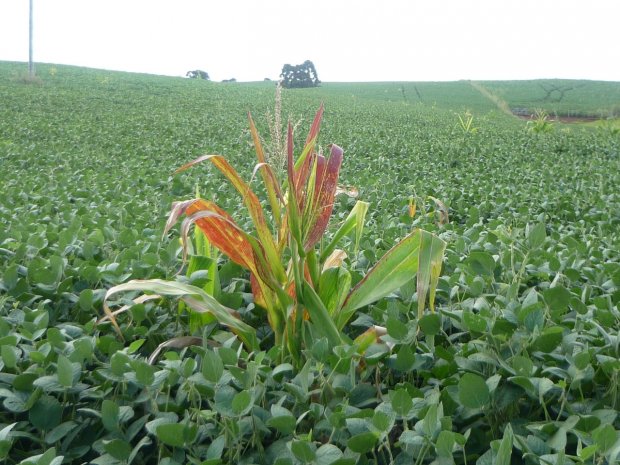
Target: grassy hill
pixel 575 98
pixel 560 97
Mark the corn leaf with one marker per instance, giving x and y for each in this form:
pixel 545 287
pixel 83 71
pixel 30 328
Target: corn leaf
pixel 335 259
pixel 175 343
pixel 334 286
pixel 257 264
pixel 319 315
pixel 265 298
pixel 313 134
pixel 415 254
pixel 307 198
pixel 254 208
pixel 326 192
pixel 195 298
pixel 355 219
pixel 178 209
pixel 429 267
pixel 221 231
pixel 124 308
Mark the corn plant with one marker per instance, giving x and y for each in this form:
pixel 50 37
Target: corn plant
pixel 540 123
pixel 466 123
pixel 296 273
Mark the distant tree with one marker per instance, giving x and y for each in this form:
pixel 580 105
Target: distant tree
pixel 267 80
pixel 296 76
pixel 230 80
pixel 198 74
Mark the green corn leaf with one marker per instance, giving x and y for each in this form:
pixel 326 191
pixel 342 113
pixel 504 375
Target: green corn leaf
pixel 355 220
pixel 319 315
pixel 419 253
pixel 334 285
pixel 197 299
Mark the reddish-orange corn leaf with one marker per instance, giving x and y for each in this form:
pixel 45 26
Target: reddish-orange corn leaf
pixel 257 291
pixel 227 240
pixel 304 164
pixel 313 134
pixel 223 233
pixel 254 208
pixel 326 195
pixel 301 178
pixel 321 167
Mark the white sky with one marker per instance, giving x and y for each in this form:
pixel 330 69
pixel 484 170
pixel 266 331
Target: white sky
pixel 359 40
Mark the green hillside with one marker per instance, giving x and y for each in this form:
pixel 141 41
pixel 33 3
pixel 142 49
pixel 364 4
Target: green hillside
pixel 561 97
pixel 516 362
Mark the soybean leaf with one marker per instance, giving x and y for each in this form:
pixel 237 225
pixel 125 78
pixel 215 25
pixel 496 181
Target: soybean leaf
pixel 473 391
pixel 363 442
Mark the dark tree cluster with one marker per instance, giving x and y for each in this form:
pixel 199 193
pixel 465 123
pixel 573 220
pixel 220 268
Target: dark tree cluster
pixel 198 74
pixel 296 76
pixel 230 80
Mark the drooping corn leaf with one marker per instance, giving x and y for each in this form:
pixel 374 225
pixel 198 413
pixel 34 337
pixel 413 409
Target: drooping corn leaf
pixel 195 298
pixel 177 210
pixel 175 343
pixel 138 300
pixel 395 268
pixel 222 232
pixel 349 191
pixel 254 208
pixel 225 235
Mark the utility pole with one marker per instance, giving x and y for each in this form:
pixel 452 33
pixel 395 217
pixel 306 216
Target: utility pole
pixel 30 62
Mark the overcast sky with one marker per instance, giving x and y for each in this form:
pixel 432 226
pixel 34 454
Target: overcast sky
pixel 360 40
